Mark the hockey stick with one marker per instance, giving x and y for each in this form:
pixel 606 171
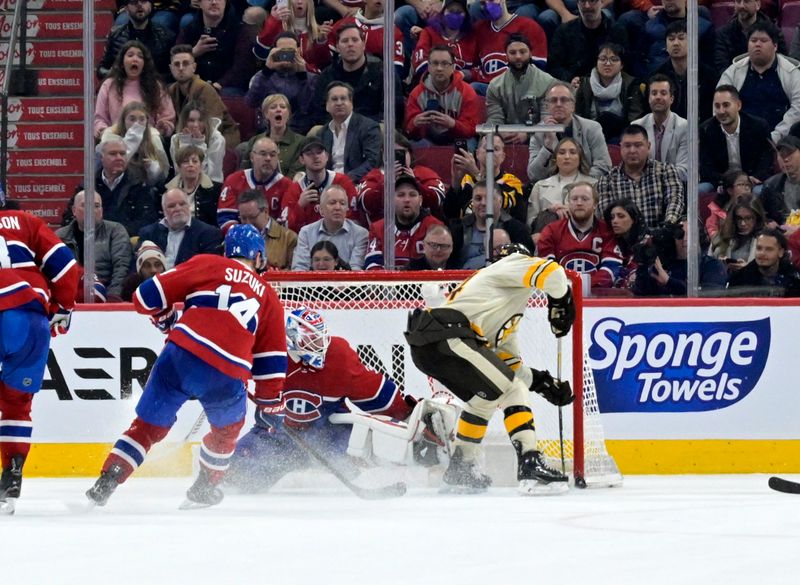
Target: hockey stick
pixel 560 416
pixel 784 485
pixel 389 491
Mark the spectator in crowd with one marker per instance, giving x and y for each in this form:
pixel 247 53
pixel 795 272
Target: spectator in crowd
pixel 202 191
pixel 301 204
pixel 588 133
pixel 654 186
pixel 442 107
pixel 469 232
pixel 627 225
pixel 768 83
pixel 676 68
pixel 362 72
pixel 126 199
pixel 150 261
pixel 196 128
pixel 449 26
pixel 732 36
pixel 735 244
pixel 179 234
pixel 781 193
pixel 353 140
pixel 188 87
pixel 166 13
pixel 581 241
pixel 112 245
pixel 546 202
pixel 370 189
pixel 735 185
pixel 285 73
pixel 369 20
pixel 325 256
pixel 139 26
pixel 299 18
pixel 133 78
pixel 667 132
pixel 147 159
pixel 515 96
pixel 349 237
pixel 664 272
pixel 733 140
pixel 265 176
pixel 576 42
pixel 492 35
pixel 280 242
pixel 770 273
pixel 221 45
pixel 437 251
pixel 411 224
pixel 466 169
pixel 277 113
pixel 608 95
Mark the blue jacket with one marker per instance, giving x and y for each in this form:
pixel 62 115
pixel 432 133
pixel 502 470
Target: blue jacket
pixel 200 238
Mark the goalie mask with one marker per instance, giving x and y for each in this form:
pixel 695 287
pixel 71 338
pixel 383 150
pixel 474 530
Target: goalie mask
pixel 307 337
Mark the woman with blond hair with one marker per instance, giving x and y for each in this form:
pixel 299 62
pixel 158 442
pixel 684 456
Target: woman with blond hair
pixel 147 159
pixel 196 128
pixel 277 114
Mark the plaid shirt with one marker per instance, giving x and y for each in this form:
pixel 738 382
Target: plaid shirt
pixel 658 193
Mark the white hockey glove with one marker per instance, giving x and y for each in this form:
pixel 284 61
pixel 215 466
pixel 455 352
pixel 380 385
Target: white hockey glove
pixel 60 321
pixel 166 319
pixel 561 314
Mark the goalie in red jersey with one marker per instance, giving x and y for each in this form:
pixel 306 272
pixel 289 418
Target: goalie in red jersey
pixel 341 407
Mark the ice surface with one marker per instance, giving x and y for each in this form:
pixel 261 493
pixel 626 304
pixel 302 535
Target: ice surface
pixel 707 530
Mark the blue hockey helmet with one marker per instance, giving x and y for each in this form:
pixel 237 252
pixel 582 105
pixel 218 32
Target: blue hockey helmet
pixel 307 337
pixel 244 241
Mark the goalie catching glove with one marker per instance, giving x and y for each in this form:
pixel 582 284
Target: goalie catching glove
pixel 561 314
pixel 558 392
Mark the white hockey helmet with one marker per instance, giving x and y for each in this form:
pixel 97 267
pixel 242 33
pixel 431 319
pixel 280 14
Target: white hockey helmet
pixel 307 337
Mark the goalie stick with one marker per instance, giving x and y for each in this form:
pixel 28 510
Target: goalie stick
pixel 784 485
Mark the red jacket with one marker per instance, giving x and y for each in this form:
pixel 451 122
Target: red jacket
pixel 294 216
pixel 370 192
pixel 316 55
pixel 464 49
pixel 459 101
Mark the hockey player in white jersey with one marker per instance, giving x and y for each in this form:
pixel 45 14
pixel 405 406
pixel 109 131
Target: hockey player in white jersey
pixel 470 346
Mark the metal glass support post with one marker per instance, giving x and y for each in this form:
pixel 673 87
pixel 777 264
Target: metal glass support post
pixel 388 134
pixel 88 153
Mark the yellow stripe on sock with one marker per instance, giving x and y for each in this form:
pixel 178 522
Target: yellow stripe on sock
pixel 470 430
pixel 516 420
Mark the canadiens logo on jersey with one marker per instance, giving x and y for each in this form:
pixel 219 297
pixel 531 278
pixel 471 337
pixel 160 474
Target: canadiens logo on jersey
pixel 580 261
pixel 302 406
pixel 494 63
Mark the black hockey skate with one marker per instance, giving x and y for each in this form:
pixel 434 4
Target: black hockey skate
pixel 464 477
pixel 203 493
pixel 11 485
pixel 425 450
pixel 105 485
pixel 535 476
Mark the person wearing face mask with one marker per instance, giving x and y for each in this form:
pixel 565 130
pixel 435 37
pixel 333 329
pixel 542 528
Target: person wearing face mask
pixel 451 27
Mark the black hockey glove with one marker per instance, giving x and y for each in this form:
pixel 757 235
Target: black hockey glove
pixel 561 314
pixel 555 391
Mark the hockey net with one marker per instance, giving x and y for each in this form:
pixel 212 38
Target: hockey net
pixel 370 311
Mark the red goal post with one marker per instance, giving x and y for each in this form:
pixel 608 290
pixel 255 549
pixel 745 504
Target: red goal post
pixel 369 309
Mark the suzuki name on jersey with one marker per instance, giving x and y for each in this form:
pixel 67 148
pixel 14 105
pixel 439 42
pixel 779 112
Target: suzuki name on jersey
pixel 245 277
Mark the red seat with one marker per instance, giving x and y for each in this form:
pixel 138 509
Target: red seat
pixel 613 152
pixel 790 15
pixel 437 158
pixel 231 161
pixel 244 115
pixel 702 203
pixel 721 12
pixel 517 161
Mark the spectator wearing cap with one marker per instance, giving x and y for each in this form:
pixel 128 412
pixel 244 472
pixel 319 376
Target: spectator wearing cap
pixel 437 251
pixel 179 234
pixel 576 43
pixel 301 202
pixel 150 260
pixel 112 245
pixel 515 97
pixel 452 27
pixel 768 83
pixel 352 140
pixel 442 107
pixel 411 223
pixel 334 226
pixel 781 193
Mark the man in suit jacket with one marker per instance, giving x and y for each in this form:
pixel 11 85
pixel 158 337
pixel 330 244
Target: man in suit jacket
pixel 734 139
pixel 353 140
pixel 179 234
pixel 667 132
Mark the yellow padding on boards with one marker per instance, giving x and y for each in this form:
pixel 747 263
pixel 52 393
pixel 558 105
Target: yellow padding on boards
pixel 85 460
pixel 705 456
pixel 517 419
pixel 470 430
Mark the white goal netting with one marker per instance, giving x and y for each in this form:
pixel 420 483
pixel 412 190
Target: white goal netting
pixel 370 312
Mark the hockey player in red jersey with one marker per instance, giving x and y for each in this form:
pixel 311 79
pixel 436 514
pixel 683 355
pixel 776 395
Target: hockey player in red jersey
pixel 580 241
pixel 231 329
pixel 38 280
pixel 340 406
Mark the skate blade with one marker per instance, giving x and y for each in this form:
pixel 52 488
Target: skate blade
pixel 81 507
pixel 461 490
pixel 8 507
pixel 188 504
pixel 531 487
